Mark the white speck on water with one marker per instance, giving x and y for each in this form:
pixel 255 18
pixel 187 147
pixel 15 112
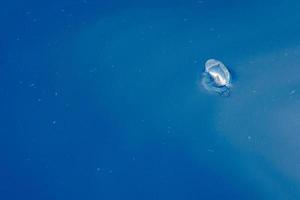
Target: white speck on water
pixel 94 69
pixel 54 122
pixel 169 129
pixel 211 150
pixel 32 85
pixel 28 159
pixel 292 92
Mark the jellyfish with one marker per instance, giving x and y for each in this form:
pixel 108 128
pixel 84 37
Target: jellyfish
pixel 216 78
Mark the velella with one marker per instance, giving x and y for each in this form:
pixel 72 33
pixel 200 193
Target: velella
pixel 216 77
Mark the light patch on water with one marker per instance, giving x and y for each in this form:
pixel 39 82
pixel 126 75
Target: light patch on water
pixel 269 115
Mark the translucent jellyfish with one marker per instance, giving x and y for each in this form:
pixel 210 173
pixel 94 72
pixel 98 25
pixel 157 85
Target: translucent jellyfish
pixel 216 78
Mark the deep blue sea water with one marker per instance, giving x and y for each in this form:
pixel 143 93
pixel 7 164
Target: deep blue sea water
pixel 100 100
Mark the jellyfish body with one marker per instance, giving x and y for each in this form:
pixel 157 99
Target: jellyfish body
pixel 216 77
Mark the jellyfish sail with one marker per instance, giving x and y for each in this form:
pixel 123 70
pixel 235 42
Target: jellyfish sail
pixel 216 77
